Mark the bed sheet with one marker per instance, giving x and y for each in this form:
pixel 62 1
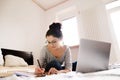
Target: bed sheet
pixel 9 71
pixel 113 74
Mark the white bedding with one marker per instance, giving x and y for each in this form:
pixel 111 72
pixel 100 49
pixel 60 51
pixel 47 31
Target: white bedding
pixel 113 74
pixel 9 71
pixel 26 68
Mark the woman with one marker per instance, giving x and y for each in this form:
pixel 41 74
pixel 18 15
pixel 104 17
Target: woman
pixel 55 53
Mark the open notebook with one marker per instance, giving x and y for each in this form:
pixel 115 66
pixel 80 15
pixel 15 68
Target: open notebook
pixel 93 56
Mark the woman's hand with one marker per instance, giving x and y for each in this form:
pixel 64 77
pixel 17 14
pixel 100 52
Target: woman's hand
pixel 39 71
pixel 55 71
pixel 52 71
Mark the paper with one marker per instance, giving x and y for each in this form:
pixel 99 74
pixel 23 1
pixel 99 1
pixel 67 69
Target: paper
pixel 24 74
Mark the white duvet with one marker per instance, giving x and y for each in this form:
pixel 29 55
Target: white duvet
pixel 113 74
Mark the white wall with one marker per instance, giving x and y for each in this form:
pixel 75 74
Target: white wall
pixel 95 26
pixel 92 19
pixel 22 25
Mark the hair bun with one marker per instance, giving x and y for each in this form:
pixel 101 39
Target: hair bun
pixel 55 26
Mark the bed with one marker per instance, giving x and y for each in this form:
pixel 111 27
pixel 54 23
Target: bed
pixel 16 61
pixel 26 55
pixel 113 74
pixel 27 72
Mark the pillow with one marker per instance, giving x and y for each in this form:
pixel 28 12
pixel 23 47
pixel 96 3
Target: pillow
pixel 14 61
pixel 1 59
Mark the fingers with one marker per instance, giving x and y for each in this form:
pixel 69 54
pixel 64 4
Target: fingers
pixel 43 69
pixel 52 71
pixel 39 70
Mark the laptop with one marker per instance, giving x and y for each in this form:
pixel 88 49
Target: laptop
pixel 93 56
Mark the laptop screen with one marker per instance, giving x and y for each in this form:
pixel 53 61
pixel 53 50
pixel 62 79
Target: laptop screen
pixel 93 56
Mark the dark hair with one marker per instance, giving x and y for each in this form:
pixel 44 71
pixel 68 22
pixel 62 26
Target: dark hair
pixel 55 30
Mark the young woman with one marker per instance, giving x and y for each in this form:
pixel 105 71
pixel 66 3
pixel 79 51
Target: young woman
pixel 55 57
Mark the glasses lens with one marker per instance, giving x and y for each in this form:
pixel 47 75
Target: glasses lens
pixel 52 42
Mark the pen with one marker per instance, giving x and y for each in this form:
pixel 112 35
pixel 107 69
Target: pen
pixel 39 63
pixel 43 74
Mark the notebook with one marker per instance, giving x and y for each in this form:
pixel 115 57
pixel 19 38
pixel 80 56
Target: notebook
pixel 93 56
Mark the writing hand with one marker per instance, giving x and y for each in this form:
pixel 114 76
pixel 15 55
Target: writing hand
pixel 39 71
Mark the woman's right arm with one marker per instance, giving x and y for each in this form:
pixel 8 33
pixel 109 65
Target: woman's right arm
pixel 41 70
pixel 42 57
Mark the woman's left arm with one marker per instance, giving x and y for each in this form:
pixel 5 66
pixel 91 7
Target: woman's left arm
pixel 68 61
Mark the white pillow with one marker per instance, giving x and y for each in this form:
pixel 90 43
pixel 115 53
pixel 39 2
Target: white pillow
pixel 1 59
pixel 14 61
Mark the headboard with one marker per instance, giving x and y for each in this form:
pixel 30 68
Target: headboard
pixel 27 56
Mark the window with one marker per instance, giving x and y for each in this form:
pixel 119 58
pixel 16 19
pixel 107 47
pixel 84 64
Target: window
pixel 113 5
pixel 68 17
pixel 70 31
pixel 114 9
pixel 115 17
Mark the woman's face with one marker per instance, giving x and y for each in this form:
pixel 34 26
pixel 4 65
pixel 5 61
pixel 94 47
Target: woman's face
pixel 54 42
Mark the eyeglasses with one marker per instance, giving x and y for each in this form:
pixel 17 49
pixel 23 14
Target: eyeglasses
pixel 52 42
